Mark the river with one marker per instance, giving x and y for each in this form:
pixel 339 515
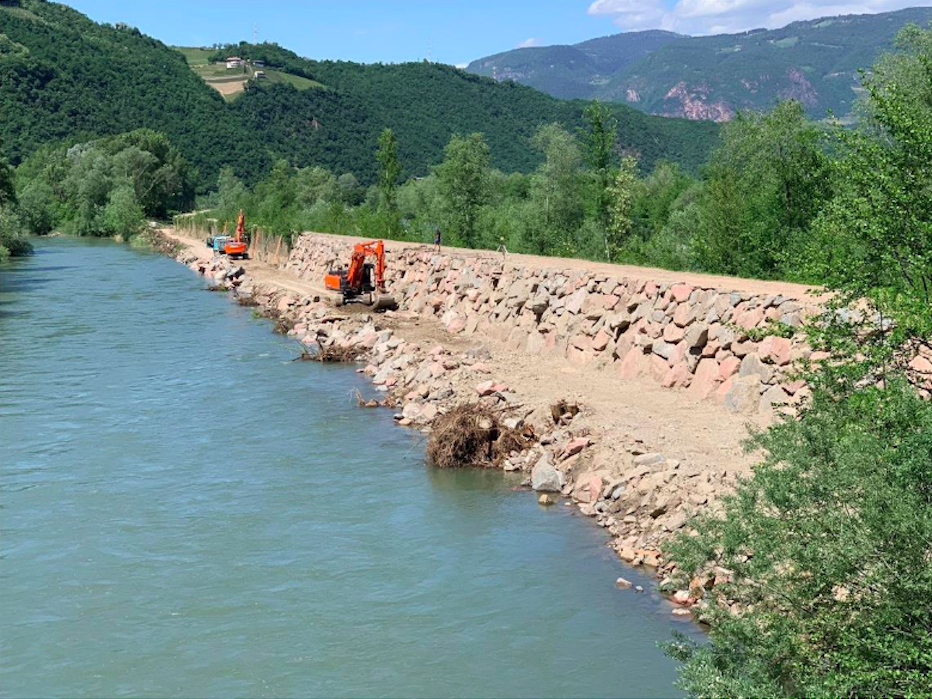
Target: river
pixel 187 512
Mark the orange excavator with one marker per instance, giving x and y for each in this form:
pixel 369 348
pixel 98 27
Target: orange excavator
pixel 364 280
pixel 237 247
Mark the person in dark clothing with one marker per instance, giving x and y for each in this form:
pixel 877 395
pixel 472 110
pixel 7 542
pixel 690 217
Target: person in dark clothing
pixel 437 238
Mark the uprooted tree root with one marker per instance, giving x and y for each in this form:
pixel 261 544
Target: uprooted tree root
pixel 473 435
pixel 336 353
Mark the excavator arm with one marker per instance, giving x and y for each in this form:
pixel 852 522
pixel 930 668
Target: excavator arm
pixel 362 277
pixel 355 275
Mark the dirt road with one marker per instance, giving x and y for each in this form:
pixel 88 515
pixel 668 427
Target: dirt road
pixel 698 432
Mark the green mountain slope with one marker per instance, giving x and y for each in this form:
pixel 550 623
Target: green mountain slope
pixel 572 72
pixel 712 77
pixel 65 78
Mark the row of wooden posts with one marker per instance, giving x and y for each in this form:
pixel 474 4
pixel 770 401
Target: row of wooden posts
pixel 270 248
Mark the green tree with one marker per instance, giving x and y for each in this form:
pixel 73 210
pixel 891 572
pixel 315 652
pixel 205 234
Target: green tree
pixel 828 548
pixel 389 169
pixel 765 184
pixel 87 186
pixel 276 200
pixel 462 183
pixel 231 194
pixel 657 197
pixel 13 242
pixel 315 184
pixel 556 189
pixel 621 202
pixel 7 188
pixel 12 231
pixel 600 139
pixel 38 207
pixel 873 242
pixel 159 174
pixel 123 215
pixel 351 193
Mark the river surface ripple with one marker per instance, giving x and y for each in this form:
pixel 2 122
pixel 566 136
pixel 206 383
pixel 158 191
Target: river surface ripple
pixel 186 512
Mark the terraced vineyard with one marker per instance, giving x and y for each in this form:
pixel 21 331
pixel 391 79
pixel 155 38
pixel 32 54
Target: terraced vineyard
pixel 231 82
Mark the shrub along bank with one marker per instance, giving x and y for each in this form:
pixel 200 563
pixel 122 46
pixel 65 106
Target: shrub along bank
pixel 828 549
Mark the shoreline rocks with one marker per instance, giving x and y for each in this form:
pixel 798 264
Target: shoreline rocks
pixel 682 336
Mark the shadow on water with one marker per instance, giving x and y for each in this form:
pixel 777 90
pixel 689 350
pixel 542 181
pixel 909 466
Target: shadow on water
pixel 23 283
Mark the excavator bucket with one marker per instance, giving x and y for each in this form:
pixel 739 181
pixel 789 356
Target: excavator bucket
pixel 383 302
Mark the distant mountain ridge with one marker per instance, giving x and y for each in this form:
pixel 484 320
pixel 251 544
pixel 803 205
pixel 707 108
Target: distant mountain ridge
pixel 712 77
pixel 572 72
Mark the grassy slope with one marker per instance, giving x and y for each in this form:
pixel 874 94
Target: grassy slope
pixel 217 74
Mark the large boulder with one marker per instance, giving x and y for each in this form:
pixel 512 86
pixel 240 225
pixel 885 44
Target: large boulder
pixel 545 477
pixel 744 394
pixel 776 350
pixel 752 365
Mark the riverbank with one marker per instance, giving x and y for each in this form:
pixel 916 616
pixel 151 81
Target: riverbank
pixel 636 440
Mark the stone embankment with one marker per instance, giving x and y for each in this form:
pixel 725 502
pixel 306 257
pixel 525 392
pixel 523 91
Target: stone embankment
pixel 683 336
pixel 696 340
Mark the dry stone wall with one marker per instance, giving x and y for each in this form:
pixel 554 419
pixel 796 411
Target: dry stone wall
pixel 683 336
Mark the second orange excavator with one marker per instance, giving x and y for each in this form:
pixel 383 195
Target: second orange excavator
pixel 238 246
pixel 364 280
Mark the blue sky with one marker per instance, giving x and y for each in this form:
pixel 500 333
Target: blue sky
pixel 452 31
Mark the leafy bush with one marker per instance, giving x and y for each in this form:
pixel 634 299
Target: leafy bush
pixel 828 548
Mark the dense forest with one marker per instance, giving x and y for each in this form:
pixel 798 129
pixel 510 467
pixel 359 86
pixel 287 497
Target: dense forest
pixel 66 79
pixel 106 187
pixel 750 213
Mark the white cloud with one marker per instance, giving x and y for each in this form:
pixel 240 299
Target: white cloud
pixel 631 14
pixel 726 16
pixel 461 66
pixel 529 42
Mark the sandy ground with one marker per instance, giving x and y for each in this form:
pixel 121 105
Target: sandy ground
pixel 697 432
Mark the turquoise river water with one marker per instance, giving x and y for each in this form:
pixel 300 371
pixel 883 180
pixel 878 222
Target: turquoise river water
pixel 186 512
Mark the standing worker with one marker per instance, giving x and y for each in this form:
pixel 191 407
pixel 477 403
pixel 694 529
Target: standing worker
pixel 437 238
pixel 501 247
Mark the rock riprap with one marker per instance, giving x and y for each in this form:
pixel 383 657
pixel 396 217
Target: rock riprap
pixel 682 336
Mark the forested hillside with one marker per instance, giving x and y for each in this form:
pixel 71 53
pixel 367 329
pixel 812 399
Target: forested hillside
pixel 572 72
pixel 64 78
pixel 713 77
